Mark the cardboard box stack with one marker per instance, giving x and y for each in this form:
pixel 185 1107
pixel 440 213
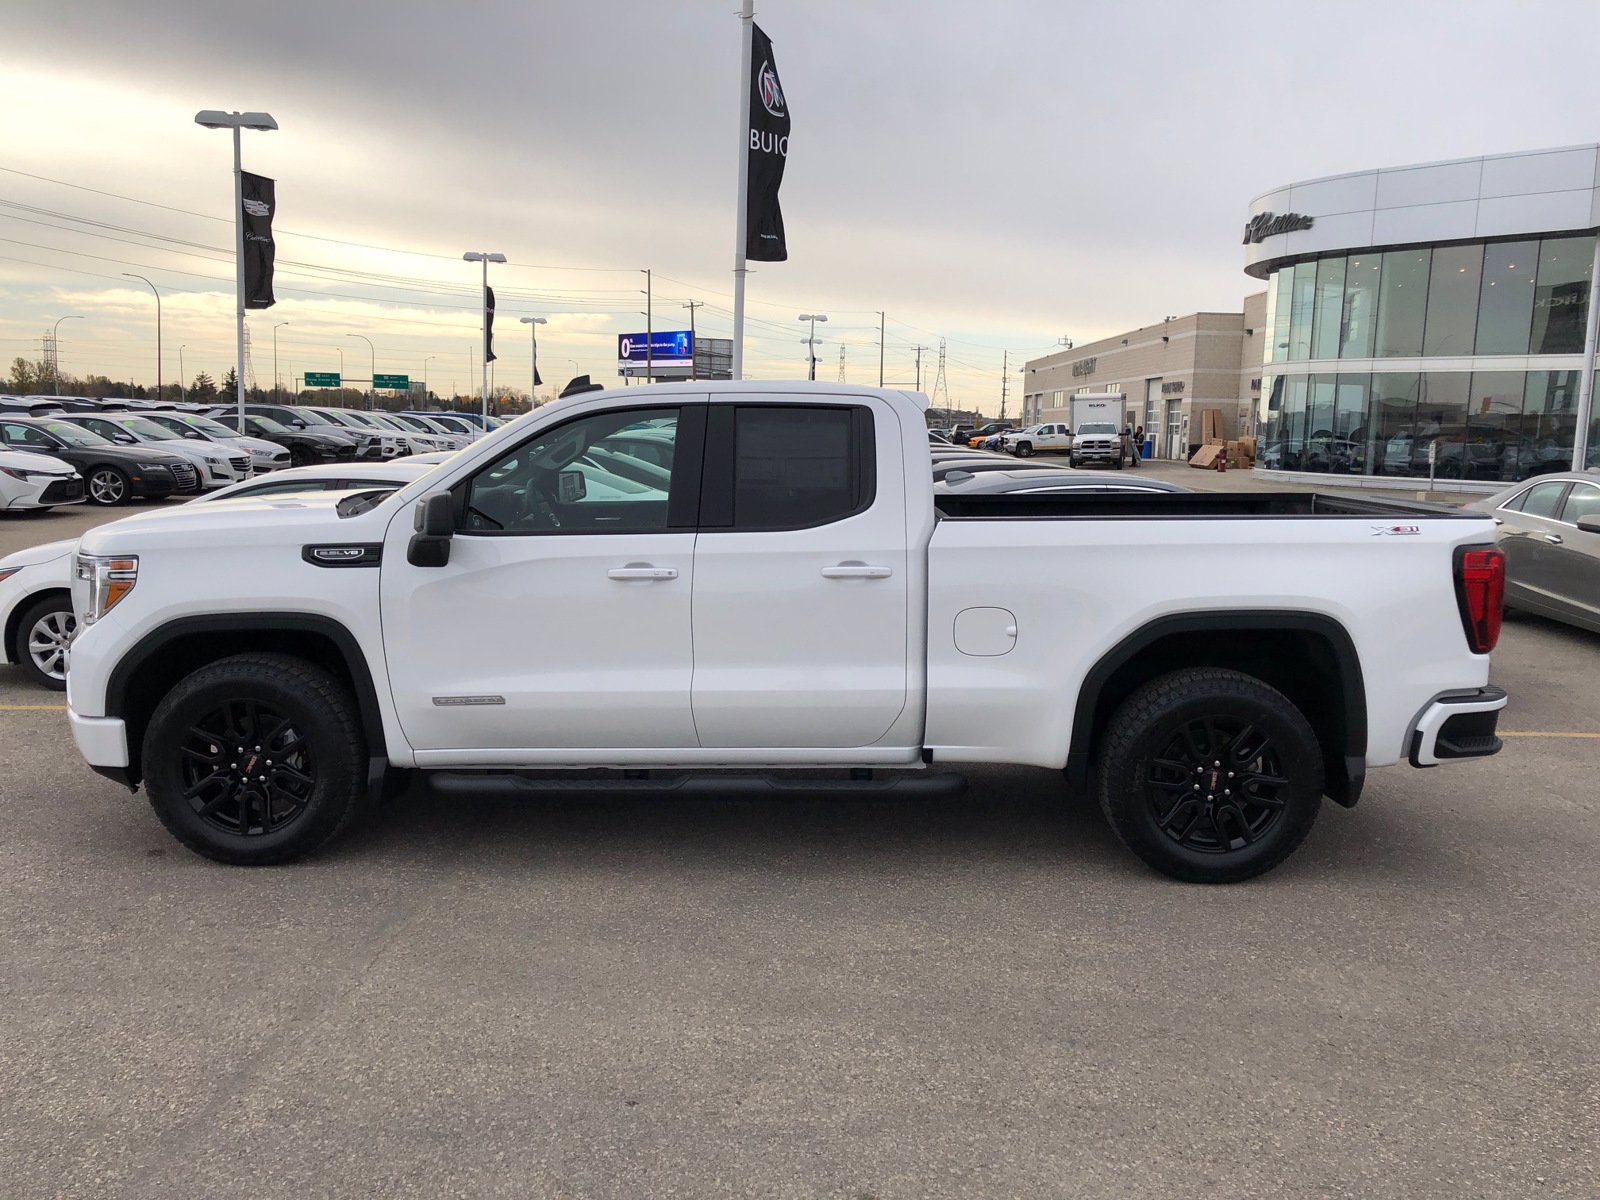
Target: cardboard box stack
pixel 1212 444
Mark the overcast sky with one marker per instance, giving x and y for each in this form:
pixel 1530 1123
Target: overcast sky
pixel 999 174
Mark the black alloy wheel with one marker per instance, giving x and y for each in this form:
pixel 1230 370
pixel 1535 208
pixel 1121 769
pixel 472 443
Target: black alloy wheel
pixel 299 456
pixel 108 486
pixel 1210 775
pixel 256 759
pixel 247 769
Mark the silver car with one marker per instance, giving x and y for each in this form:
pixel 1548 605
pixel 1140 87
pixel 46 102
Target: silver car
pixel 1549 527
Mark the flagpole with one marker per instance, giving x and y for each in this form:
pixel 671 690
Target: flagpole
pixel 486 344
pixel 741 223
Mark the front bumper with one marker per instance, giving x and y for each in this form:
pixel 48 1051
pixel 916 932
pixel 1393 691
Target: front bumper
pixel 1457 725
pixel 103 741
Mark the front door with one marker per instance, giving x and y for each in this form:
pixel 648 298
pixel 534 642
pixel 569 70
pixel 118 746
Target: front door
pixel 561 620
pixel 801 578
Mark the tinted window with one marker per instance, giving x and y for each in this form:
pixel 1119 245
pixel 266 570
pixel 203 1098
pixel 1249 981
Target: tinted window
pixel 568 479
pixel 1402 303
pixel 1561 295
pixel 797 467
pixel 26 435
pixel 1453 285
pixel 1542 499
pixel 1582 501
pixel 1505 305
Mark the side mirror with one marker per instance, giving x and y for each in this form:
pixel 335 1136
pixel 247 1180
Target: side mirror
pixel 572 486
pixel 126 439
pixel 434 521
pixel 298 423
pixel 1589 524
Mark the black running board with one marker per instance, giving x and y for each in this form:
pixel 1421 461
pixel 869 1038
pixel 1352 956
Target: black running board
pixel 693 786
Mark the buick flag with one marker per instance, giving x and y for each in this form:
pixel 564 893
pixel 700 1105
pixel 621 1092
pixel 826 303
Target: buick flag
pixel 488 324
pixel 259 205
pixel 769 148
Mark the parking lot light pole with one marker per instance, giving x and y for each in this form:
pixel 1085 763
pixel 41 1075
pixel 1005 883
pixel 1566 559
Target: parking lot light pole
pixel 485 257
pixel 183 386
pixel 152 287
pixel 372 384
pixel 813 318
pixel 425 363
pixel 533 324
pixel 55 349
pixel 211 118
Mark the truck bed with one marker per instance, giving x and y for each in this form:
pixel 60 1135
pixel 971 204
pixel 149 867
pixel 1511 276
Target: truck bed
pixel 1187 505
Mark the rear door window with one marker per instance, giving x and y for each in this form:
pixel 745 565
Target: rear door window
pixel 1541 500
pixel 792 466
pixel 1582 501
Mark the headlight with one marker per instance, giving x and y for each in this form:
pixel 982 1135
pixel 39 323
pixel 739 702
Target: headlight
pixel 24 474
pixel 109 580
pixel 8 573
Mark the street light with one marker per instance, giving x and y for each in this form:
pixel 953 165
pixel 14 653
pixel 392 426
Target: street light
pixel 425 363
pixel 372 384
pixel 211 118
pixel 55 349
pixel 275 329
pixel 485 257
pixel 533 324
pixel 183 387
pixel 131 275
pixel 813 318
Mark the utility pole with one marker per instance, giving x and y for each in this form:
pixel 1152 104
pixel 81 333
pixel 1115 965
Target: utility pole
pixel 649 332
pixel 881 320
pixel 694 349
pixel 919 350
pixel 1005 380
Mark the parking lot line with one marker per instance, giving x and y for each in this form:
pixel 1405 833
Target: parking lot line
pixel 1551 735
pixel 33 708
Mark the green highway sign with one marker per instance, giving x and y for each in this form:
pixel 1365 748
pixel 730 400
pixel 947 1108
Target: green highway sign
pixel 322 379
pixel 394 383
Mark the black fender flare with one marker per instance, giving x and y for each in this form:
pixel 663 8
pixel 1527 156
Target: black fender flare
pixel 1348 662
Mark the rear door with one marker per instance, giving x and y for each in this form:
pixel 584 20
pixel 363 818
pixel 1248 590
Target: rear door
pixel 1575 561
pixel 801 592
pixel 1529 532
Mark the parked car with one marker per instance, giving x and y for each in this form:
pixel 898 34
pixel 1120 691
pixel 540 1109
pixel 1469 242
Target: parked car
pixel 391 444
pixel 935 438
pixel 1549 528
pixel 217 465
pixel 30 406
pixel 1211 710
pixel 367 444
pixel 1044 481
pixel 409 441
pixel 306 447
pixel 976 463
pixel 35 482
pixel 37 620
pixel 454 439
pixel 1048 438
pixel 264 455
pixel 112 473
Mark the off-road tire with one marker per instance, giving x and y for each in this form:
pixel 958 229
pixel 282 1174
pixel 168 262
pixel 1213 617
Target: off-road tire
pixel 323 717
pixel 1146 759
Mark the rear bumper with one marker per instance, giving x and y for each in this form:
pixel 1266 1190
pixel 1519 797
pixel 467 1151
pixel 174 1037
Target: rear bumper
pixel 1457 725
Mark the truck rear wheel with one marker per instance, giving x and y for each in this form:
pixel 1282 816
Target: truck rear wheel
pixel 255 759
pixel 1210 776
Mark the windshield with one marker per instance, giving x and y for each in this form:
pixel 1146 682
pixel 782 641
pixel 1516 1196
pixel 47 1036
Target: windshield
pixel 336 417
pixel 207 425
pixel 146 428
pixel 358 419
pixel 76 435
pixel 1097 427
pixel 267 425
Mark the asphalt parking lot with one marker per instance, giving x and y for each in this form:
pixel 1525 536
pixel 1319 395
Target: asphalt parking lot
pixel 982 996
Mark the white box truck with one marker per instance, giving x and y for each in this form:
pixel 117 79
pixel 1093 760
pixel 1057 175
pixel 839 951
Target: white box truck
pixel 1097 428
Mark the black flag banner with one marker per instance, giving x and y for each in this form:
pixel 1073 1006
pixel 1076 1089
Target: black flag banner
pixel 488 324
pixel 260 202
pixel 769 149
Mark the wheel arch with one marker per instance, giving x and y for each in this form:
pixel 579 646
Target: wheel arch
pixel 14 617
pixel 168 653
pixel 1299 653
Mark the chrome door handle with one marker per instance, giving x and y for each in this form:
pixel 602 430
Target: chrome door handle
pixel 856 571
pixel 1553 538
pixel 642 571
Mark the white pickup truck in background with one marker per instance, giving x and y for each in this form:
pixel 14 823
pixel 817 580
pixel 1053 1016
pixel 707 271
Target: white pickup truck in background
pixel 1097 429
pixel 683 580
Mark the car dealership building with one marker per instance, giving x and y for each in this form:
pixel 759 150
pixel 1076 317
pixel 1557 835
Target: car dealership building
pixel 1431 321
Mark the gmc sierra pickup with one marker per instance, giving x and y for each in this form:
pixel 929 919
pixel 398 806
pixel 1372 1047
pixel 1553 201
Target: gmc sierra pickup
pixel 683 582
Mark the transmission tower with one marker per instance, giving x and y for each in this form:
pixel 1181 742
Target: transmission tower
pixel 841 364
pixel 47 348
pixel 940 386
pixel 249 367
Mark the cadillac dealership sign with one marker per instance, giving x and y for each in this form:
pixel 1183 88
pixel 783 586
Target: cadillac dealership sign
pixel 1265 225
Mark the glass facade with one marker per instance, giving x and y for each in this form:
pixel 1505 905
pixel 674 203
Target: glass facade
pixel 1461 301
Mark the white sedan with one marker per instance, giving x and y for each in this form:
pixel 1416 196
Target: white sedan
pixel 217 464
pixel 36 584
pixel 37 481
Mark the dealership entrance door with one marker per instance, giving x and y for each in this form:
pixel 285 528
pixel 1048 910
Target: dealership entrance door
pixel 1175 447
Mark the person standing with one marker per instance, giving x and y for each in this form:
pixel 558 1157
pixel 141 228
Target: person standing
pixel 1133 446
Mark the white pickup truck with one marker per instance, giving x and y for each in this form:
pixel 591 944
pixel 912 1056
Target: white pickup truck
pixel 685 582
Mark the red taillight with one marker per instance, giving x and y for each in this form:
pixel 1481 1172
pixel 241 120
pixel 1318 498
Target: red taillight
pixel 1481 593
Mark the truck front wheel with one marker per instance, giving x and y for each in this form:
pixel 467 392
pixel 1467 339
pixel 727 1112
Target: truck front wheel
pixel 255 759
pixel 1210 776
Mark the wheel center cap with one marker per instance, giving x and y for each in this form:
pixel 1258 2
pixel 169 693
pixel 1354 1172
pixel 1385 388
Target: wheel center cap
pixel 250 764
pixel 1212 780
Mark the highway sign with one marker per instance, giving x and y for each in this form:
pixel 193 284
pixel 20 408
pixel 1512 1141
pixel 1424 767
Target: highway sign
pixel 394 383
pixel 322 379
